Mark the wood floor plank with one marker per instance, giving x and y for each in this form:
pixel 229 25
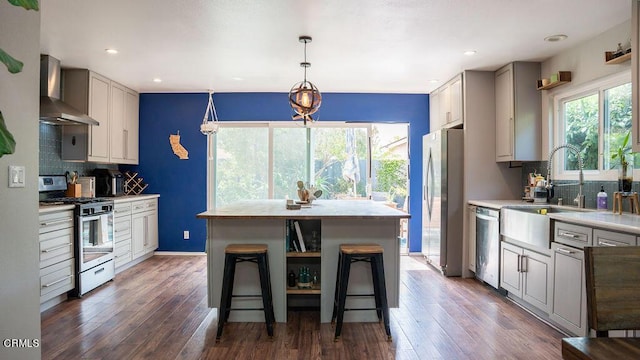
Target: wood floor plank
pixel 158 310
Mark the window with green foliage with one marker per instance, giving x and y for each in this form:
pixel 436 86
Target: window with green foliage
pixel 595 118
pixel 345 161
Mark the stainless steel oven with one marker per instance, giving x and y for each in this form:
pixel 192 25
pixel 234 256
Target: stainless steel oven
pixel 93 239
pixel 94 245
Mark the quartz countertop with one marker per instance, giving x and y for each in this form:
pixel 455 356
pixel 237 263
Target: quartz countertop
pixel 43 209
pixel 276 209
pixel 607 220
pixel 127 198
pixel 498 204
pixel 625 222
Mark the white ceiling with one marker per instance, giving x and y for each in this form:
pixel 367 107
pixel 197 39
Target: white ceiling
pixel 390 46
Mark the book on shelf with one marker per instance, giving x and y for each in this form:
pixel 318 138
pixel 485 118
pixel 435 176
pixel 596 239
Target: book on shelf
pixel 287 233
pixel 300 238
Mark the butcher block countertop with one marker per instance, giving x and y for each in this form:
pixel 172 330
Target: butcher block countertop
pixel 276 209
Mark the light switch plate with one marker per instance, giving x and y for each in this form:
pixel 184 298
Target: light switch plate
pixel 16 176
pixel 185 235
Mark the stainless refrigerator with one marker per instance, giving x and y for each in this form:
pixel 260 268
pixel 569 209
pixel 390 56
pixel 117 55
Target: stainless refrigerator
pixel 442 200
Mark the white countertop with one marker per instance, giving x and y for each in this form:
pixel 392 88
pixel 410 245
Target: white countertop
pixel 276 209
pixel 625 222
pixel 43 209
pixel 498 204
pixel 128 198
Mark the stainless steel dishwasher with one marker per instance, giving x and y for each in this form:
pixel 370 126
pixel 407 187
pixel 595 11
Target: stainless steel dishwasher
pixel 488 246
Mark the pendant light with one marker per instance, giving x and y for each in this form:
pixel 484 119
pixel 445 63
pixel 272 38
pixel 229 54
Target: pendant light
pixel 304 97
pixel 210 125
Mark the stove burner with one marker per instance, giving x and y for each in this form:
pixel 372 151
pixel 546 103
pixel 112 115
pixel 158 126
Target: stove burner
pixel 71 200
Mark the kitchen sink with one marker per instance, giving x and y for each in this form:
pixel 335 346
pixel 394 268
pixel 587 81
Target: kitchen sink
pixel 530 224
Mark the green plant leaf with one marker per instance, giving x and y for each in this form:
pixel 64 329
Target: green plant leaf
pixel 7 142
pixel 27 4
pixel 14 66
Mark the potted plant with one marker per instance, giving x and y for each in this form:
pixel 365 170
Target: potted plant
pixel 625 159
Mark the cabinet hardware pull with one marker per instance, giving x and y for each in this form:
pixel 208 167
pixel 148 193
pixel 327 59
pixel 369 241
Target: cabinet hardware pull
pixel 56 222
pixel 605 243
pixel 568 234
pixel 564 251
pixel 56 248
pixel 57 281
pixel 98 271
pixel 523 267
pixel 519 263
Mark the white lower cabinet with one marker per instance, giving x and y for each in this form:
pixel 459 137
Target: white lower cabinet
pixel 525 274
pixel 135 231
pixel 569 306
pixel 56 254
pixel 122 234
pixel 144 227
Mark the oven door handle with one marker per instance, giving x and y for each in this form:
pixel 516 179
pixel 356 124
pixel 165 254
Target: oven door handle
pixel 94 217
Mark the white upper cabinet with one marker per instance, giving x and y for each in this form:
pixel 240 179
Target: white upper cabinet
pixel 90 93
pixel 445 105
pixel 114 106
pixel 518 112
pixel 124 124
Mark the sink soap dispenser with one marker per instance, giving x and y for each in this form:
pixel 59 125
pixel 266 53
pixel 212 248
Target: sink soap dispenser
pixel 602 199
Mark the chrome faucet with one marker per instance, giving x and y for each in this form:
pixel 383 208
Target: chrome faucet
pixel 579 200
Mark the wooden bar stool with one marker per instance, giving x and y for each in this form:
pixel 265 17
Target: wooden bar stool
pixel 373 254
pixel 255 253
pixel 633 202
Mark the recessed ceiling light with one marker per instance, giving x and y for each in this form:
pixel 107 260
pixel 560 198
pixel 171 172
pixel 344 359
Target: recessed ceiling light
pixel 111 51
pixel 157 80
pixel 237 78
pixel 433 81
pixel 470 52
pixel 554 38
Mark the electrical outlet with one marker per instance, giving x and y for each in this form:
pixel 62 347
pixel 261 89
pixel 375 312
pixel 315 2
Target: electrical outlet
pixel 185 235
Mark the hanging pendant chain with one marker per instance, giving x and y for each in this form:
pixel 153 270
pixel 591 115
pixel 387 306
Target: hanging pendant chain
pixel 211 109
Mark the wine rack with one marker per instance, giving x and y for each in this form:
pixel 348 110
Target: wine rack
pixel 133 184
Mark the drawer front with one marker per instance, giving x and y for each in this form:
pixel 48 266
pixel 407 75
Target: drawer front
pixel 122 228
pixel 144 205
pixel 572 235
pixel 56 279
pixel 610 238
pixel 121 209
pixel 55 221
pixel 56 246
pixel 122 252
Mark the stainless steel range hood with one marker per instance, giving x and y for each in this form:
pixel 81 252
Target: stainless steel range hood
pixel 52 109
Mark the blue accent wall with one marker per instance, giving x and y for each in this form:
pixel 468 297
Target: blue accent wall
pixel 182 183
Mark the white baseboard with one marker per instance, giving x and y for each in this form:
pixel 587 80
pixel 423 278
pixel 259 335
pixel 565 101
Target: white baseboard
pixel 179 253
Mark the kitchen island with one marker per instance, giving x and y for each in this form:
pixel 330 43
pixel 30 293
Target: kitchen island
pixel 334 221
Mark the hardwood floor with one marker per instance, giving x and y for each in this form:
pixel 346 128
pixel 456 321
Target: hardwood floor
pixel 158 310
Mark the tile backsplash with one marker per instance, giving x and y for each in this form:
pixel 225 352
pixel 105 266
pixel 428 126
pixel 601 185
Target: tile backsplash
pixel 569 192
pixel 50 149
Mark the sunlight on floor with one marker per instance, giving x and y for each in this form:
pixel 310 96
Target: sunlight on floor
pixel 413 262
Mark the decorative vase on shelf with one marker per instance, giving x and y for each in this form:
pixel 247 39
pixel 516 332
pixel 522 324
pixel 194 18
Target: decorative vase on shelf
pixel 625 177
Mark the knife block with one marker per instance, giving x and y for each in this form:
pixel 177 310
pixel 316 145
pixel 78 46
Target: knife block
pixel 74 190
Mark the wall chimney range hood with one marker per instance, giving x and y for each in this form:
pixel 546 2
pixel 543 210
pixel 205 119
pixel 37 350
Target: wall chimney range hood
pixel 53 110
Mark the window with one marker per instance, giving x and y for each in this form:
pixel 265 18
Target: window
pixel 265 161
pixel 595 118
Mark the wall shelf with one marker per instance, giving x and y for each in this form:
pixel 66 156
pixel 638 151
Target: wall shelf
pixel 609 59
pixel 296 291
pixel 306 254
pixel 563 78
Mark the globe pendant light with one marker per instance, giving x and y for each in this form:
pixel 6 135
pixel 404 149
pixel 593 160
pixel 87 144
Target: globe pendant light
pixel 304 97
